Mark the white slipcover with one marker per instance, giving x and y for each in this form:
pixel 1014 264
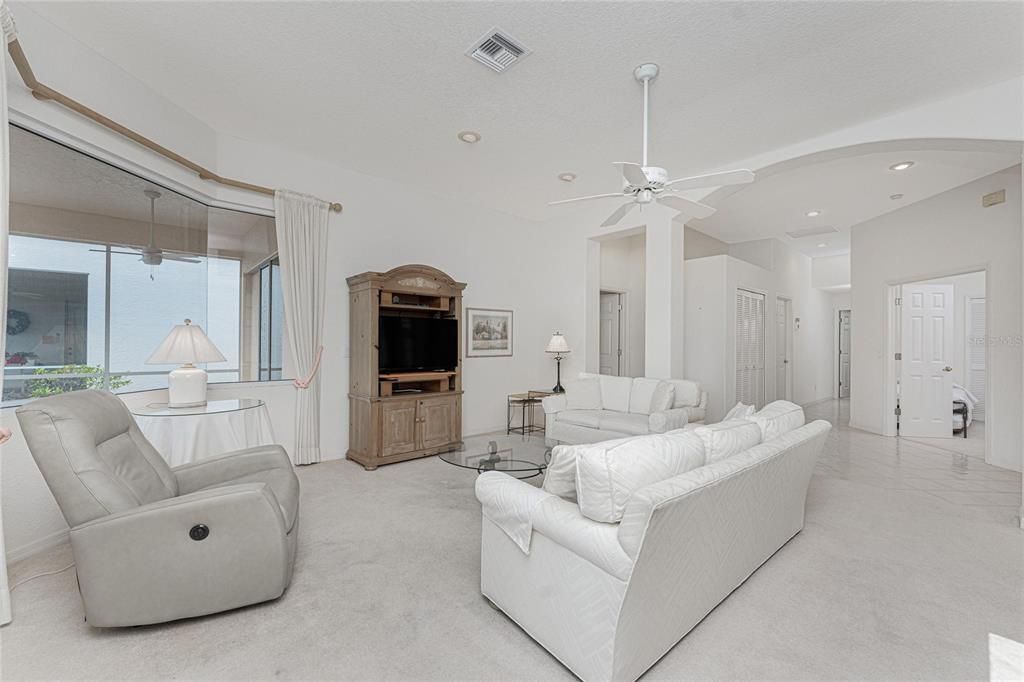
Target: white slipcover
pixel 608 600
pixel 726 439
pixel 583 394
pixel 777 418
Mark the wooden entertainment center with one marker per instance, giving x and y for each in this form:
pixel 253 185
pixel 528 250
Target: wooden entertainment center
pixel 395 416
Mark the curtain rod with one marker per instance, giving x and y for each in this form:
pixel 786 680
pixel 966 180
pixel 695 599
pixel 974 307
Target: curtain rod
pixel 45 92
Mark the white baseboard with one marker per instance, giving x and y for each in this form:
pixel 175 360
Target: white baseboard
pixel 861 427
pixel 819 401
pixel 37 546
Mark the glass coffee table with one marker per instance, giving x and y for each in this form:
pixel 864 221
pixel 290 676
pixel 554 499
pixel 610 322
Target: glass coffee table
pixel 519 455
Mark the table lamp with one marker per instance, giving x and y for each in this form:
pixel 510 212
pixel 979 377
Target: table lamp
pixel 558 347
pixel 187 344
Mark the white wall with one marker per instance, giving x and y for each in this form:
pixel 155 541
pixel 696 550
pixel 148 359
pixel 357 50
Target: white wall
pixel 622 269
pixel 700 245
pixel 711 285
pixel 830 271
pixel 946 234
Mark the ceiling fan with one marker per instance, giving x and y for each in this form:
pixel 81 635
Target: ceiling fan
pixel 151 254
pixel 644 184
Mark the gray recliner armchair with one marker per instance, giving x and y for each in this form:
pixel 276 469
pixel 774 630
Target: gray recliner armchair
pixel 151 543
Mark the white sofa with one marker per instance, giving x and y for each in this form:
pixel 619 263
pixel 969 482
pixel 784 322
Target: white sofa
pixel 610 599
pixel 624 409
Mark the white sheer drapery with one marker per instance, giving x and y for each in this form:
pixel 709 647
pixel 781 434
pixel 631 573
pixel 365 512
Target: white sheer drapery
pixel 10 34
pixel 302 250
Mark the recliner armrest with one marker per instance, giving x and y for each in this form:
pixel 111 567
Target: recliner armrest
pixel 206 472
pixel 148 565
pixel 667 420
pixel 553 404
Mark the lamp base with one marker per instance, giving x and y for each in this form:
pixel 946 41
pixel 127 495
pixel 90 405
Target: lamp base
pixel 558 389
pixel 186 387
pixel 558 380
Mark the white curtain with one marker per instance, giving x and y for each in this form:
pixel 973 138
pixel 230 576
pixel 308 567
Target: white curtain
pixel 5 164
pixel 302 249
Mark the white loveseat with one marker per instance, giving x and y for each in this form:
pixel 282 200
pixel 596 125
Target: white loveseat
pixel 621 407
pixel 609 599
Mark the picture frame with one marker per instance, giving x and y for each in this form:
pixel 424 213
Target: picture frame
pixel 489 333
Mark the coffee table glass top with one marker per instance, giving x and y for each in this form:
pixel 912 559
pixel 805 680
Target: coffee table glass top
pixel 514 453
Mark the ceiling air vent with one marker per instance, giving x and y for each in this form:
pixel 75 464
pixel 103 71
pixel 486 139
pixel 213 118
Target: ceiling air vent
pixel 812 232
pixel 497 51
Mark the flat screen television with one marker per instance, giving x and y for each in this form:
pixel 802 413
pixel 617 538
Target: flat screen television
pixel 411 344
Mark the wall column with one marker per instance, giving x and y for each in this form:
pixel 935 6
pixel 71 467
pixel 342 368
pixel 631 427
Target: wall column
pixel 663 334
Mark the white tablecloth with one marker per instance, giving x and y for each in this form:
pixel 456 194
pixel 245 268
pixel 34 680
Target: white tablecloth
pixel 186 438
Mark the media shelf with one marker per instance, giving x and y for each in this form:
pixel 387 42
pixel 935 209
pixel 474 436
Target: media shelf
pixel 396 416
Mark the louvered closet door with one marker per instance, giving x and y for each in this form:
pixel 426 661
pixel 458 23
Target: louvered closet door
pixel 976 377
pixel 750 347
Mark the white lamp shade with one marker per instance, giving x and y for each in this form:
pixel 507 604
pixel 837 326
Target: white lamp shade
pixel 557 345
pixel 186 344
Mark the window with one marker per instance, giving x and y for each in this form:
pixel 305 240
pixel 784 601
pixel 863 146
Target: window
pixel 103 263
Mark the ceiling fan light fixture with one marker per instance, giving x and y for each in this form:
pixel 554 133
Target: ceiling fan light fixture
pixel 902 165
pixel 566 177
pixel 470 136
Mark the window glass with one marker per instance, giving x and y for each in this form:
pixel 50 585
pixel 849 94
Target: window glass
pixel 103 263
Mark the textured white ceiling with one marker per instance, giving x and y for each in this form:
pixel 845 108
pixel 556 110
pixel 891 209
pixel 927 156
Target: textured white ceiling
pixel 383 87
pixel 847 191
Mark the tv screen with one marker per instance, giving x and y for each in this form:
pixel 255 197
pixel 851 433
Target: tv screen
pixel 410 344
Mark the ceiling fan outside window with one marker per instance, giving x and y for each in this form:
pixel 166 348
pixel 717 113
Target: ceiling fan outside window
pixel 644 184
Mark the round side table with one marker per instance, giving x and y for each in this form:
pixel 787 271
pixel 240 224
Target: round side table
pixel 186 434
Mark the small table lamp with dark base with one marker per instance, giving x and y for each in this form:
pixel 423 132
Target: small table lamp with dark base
pixel 558 347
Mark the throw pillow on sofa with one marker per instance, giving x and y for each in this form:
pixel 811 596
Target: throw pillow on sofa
pixel 685 393
pixel 583 394
pixel 740 411
pixel 726 439
pixel 607 474
pixel 560 475
pixel 778 418
pixel 648 396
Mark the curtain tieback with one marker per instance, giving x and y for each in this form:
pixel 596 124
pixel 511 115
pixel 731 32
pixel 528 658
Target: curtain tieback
pixel 304 383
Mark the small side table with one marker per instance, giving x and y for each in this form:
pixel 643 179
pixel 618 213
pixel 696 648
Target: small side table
pixel 526 404
pixel 960 408
pixel 186 434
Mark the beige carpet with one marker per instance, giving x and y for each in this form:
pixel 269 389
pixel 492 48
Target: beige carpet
pixel 884 582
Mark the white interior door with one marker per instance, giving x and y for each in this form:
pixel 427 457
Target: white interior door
pixel 975 374
pixel 783 362
pixel 926 382
pixel 844 353
pixel 750 347
pixel 611 334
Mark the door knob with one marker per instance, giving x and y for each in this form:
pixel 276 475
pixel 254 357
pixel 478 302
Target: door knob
pixel 947 368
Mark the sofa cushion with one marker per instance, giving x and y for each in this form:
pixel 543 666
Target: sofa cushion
pixel 648 396
pixel 583 394
pixel 726 439
pixel 636 424
pixel 740 411
pixel 615 392
pixel 588 418
pixel 608 474
pixel 686 393
pixel 778 418
pixel 560 476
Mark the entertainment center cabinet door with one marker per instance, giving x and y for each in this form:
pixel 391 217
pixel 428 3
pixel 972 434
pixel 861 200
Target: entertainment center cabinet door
pixel 436 416
pixel 398 427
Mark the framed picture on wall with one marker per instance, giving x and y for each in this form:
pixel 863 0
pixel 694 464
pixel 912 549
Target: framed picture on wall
pixel 488 333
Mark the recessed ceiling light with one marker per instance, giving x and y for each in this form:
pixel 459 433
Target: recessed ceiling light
pixel 902 165
pixel 566 177
pixel 469 136
pixel 822 245
pixel 813 214
pixel 895 197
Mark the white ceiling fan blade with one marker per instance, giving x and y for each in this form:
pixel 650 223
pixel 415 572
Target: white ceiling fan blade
pixel 687 206
pixel 182 259
pixel 593 196
pixel 633 172
pixel 619 214
pixel 734 177
pixel 119 253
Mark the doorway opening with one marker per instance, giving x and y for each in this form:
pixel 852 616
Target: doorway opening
pixel 783 348
pixel 622 294
pixel 843 353
pixel 940 361
pixel 611 342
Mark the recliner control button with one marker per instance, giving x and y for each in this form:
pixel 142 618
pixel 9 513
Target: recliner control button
pixel 199 532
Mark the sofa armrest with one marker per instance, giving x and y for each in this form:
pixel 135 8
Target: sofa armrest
pixel 553 404
pixel 703 400
pixel 206 472
pixel 148 565
pixel 509 503
pixel 668 420
pixel 561 521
